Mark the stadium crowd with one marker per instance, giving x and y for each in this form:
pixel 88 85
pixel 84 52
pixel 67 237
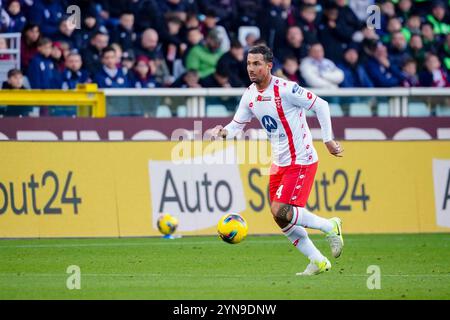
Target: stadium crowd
pixel 189 44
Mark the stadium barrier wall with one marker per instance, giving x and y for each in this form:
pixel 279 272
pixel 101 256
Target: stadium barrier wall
pixel 111 189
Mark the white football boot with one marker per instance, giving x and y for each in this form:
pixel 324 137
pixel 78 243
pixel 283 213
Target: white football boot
pixel 335 238
pixel 316 267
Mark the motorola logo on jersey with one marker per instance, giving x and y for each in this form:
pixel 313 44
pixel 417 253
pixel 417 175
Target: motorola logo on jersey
pixel 269 123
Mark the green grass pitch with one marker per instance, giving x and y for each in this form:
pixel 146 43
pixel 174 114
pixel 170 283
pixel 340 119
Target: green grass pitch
pixel 261 267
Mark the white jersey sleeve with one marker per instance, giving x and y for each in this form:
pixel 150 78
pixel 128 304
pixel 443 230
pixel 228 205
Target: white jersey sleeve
pixel 242 116
pixel 303 98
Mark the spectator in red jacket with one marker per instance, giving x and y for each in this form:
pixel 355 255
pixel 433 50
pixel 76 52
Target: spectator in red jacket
pixel 28 48
pixel 433 75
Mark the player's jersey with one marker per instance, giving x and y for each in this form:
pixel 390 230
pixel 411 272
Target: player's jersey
pixel 281 109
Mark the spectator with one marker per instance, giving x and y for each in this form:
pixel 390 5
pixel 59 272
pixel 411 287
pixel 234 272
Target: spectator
pixel 381 71
pixel 437 19
pixel 416 50
pixel 17 19
pixel 57 56
pixel 294 45
pixel 73 74
pixel 209 22
pixel 307 22
pixel 409 72
pixel 42 72
pixel 174 47
pixel 128 60
pixel 123 33
pixel 318 71
pixel 387 9
pixel 250 40
pixel 143 77
pixel 273 24
pixel 149 45
pixel 398 49
pixel 90 26
pixel 148 15
pixel 355 76
pixel 429 40
pixel 433 75
pixel 15 82
pixel 47 14
pixel 393 25
pixel 91 55
pixel 412 27
pixel 219 79
pixel 204 57
pixel 347 17
pixel 334 33
pixel 233 61
pixel 291 70
pixel 180 7
pixel 403 10
pixel 444 53
pixel 226 12
pixel 66 33
pixel 189 79
pixel 4 46
pixel 110 76
pixel 28 48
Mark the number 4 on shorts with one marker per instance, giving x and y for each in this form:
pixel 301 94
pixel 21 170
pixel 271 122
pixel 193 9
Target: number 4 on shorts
pixel 278 193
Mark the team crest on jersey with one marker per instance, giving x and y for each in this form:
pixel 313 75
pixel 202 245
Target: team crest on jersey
pixel 269 123
pixel 296 89
pixel 263 98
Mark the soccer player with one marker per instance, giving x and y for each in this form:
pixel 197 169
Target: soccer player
pixel 280 106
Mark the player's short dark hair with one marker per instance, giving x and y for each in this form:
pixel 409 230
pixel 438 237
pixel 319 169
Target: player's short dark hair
pixel 264 50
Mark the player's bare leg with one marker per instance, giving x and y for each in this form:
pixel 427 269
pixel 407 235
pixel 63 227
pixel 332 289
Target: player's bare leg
pixel 291 215
pixel 299 238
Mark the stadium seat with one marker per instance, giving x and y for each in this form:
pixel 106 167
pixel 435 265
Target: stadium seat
pixel 442 111
pixel 418 109
pixel 383 109
pixel 216 110
pixel 163 111
pixel 358 109
pixel 245 30
pixel 336 110
pixel 182 111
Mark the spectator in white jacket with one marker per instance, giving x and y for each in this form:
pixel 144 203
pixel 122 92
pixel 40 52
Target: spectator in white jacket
pixel 318 71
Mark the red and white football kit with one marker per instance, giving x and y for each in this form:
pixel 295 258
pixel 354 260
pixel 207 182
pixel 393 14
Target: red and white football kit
pixel 281 108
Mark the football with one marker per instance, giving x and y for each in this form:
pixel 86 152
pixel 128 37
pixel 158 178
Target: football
pixel 232 228
pixel 167 224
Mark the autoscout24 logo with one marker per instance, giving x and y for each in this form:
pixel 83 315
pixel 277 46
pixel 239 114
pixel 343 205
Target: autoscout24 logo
pixel 198 192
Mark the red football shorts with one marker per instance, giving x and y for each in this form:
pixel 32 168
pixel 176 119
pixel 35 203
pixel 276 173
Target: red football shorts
pixel 292 184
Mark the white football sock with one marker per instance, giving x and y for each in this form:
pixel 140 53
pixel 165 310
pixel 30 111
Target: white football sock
pixel 299 238
pixel 302 217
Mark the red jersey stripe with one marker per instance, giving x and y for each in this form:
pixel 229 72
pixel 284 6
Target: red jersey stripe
pixel 284 122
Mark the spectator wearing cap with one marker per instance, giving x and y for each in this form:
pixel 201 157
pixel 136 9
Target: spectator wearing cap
pixel 47 14
pixel 42 72
pixel 28 44
pixel 381 71
pixel 142 74
pixel 433 74
pixel 318 71
pixel 233 61
pixel 92 54
pixel 437 19
pixel 355 76
pixel 409 72
pixel 123 33
pixel 17 19
pixel 189 79
pixel 110 75
pixel 15 82
pixel 398 49
pixel 73 73
pixel 334 33
pixel 307 22
pixel 294 45
pixel 204 57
